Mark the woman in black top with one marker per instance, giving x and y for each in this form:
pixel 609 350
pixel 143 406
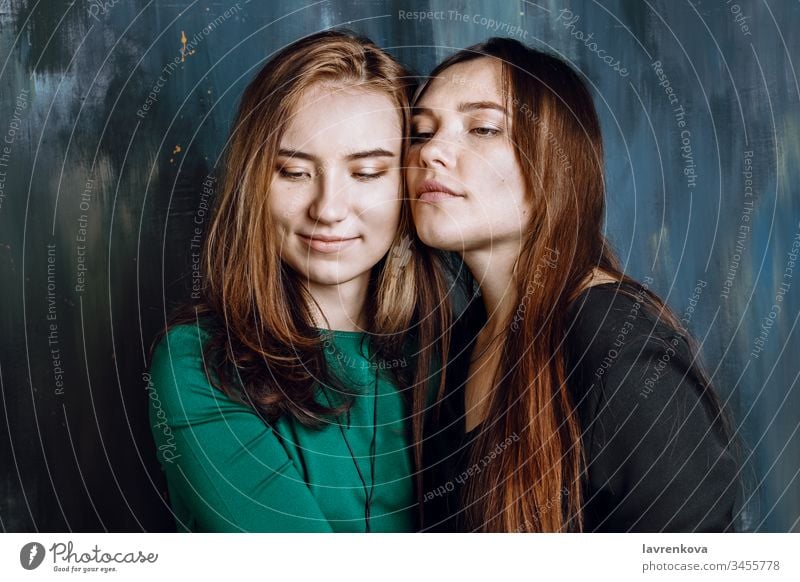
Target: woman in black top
pixel 574 401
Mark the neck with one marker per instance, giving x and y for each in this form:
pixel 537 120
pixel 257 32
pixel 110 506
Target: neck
pixel 340 306
pixel 493 268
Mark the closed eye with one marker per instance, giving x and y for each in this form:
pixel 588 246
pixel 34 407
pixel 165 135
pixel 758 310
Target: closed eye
pixel 368 176
pixel 295 175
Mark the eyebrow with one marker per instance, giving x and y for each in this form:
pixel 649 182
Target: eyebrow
pixel 373 153
pixel 465 107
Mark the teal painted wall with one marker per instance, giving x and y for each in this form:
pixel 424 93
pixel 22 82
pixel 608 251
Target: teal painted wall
pixel 113 115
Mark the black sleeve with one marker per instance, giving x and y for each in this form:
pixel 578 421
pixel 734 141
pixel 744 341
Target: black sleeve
pixel 655 460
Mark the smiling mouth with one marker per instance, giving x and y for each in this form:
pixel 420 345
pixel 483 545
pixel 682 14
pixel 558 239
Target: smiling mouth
pixel 327 244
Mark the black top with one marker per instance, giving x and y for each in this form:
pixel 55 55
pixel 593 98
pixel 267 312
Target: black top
pixel 655 460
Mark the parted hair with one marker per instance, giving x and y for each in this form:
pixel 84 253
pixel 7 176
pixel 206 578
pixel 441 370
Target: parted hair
pixel 536 484
pixel 264 348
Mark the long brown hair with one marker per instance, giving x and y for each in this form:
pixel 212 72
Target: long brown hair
pixel 263 347
pixel 535 485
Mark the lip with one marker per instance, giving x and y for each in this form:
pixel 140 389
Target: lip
pixel 435 191
pixel 327 244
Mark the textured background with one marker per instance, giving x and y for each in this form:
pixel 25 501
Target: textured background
pixel 98 197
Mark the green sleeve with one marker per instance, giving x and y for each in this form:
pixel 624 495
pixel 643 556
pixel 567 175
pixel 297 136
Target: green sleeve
pixel 226 466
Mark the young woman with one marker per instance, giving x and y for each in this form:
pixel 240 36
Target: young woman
pixel 282 402
pixel 579 404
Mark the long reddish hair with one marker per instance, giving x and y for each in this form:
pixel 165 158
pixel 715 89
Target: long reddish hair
pixel 263 348
pixel 535 485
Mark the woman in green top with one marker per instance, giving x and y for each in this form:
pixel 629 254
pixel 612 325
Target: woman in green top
pixel 285 399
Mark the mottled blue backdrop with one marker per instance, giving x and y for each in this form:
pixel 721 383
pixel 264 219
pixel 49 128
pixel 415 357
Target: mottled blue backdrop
pixel 113 115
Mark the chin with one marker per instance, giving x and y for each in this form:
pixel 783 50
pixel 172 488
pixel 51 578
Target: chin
pixel 438 238
pixel 441 234
pixel 328 275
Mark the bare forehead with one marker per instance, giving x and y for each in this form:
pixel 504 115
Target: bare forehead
pixel 475 80
pixel 336 117
pixel 338 124
pixel 325 100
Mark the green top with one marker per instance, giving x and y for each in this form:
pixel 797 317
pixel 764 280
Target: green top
pixel 229 471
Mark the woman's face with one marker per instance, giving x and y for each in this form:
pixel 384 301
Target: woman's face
pixel 335 196
pixel 466 188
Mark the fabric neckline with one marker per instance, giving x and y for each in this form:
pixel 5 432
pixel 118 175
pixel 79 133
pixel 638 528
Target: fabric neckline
pixel 462 388
pixel 340 333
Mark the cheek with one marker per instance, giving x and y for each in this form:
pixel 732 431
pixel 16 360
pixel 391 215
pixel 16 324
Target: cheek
pixel 381 219
pixel 284 218
pixel 287 205
pixel 498 202
pixel 498 164
pixel 379 209
pixel 504 174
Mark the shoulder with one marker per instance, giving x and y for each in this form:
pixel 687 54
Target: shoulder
pixel 618 349
pixel 605 321
pixel 651 429
pixel 630 370
pixel 178 383
pixel 179 346
pixel 607 308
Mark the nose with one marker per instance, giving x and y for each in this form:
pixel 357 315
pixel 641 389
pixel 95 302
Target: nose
pixel 331 203
pixel 438 151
